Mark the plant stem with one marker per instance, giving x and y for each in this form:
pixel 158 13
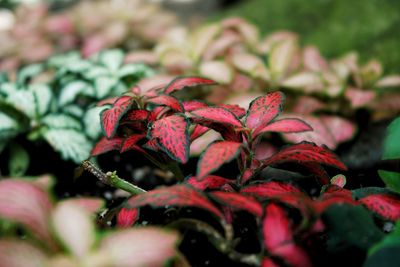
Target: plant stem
pixel 112 179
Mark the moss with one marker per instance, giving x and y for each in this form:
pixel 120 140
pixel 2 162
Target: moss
pixel 371 27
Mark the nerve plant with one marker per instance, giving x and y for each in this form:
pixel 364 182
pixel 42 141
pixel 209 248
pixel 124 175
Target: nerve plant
pixel 37 232
pixel 55 101
pixel 161 127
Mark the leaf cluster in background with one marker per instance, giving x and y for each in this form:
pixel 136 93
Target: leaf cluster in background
pixel 56 101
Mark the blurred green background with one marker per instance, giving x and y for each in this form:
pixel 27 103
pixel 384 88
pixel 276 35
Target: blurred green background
pixel 371 27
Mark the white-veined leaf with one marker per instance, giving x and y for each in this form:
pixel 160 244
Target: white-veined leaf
pixel 104 85
pixel 91 121
pixel 61 121
pixel 69 92
pixel 139 70
pixel 70 143
pixel 18 162
pixel 23 101
pixel 8 126
pixel 43 97
pixel 73 110
pixel 112 59
pixel 28 72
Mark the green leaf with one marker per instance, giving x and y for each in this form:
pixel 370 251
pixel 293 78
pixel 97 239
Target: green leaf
pixel 23 101
pixel 8 126
pixel 73 110
pixel 388 256
pixel 59 61
pixel 72 145
pixel 43 97
pixel 139 70
pixel 91 122
pixel 8 88
pixel 69 92
pixel 112 59
pixel 61 121
pixel 350 226
pixel 28 72
pixel 391 150
pixel 392 239
pixel 77 66
pixel 19 160
pixel 96 71
pixel 104 85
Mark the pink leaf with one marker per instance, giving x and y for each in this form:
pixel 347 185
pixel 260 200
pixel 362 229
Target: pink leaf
pixel 191 105
pixel 286 126
pixel 110 117
pixel 18 253
pixel 167 100
pixel 235 109
pixel 209 182
pixel 172 135
pixel 152 145
pixel 387 206
pixel 26 204
pixel 264 109
pixel 130 142
pixel 198 131
pixel 146 246
pixel 267 262
pixel 238 202
pixel 90 204
pixel 105 145
pixel 177 195
pixel 217 115
pixel 127 217
pixel 293 255
pixel 276 228
pixel 215 156
pixel 182 82
pixel 358 97
pixel 342 130
pixel 306 152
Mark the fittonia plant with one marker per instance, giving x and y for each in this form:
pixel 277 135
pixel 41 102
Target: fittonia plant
pixel 55 101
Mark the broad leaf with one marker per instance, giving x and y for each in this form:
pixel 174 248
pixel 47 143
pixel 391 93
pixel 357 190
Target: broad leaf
pixel 91 122
pixel 112 59
pixel 306 152
pixel 19 160
pixel 18 253
pixel 217 115
pixel 172 135
pixel 61 121
pixel 264 109
pixel 130 142
pixel 237 201
pixel 177 195
pixel 72 145
pixel 235 109
pixel 193 105
pixel 270 189
pixel 385 205
pixel 137 115
pixel 215 156
pixel 285 126
pixel 110 117
pixel 211 182
pixel 167 100
pixel 69 92
pixel 198 131
pixel 104 85
pixel 26 204
pixel 43 97
pixel 276 227
pixel 8 126
pixel 182 82
pixel 105 145
pixel 139 247
pixel 77 235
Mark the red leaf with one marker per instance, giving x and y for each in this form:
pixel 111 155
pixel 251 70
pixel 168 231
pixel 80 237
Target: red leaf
pixel 387 206
pixel 318 171
pixel 105 145
pixel 172 134
pixel 130 142
pixel 209 182
pixel 137 115
pixel 235 109
pixel 270 189
pixel 239 202
pixel 306 152
pixel 177 195
pixel 285 126
pixel 155 113
pixel 110 117
pixel 264 109
pixel 127 217
pixel 182 82
pixel 276 227
pixel 198 131
pixel 293 255
pixel 333 198
pixel 191 105
pixel 152 145
pixel 215 155
pixel 217 115
pixel 267 262
pixel 167 100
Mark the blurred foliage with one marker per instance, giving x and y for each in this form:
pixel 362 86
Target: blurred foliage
pixel 335 26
